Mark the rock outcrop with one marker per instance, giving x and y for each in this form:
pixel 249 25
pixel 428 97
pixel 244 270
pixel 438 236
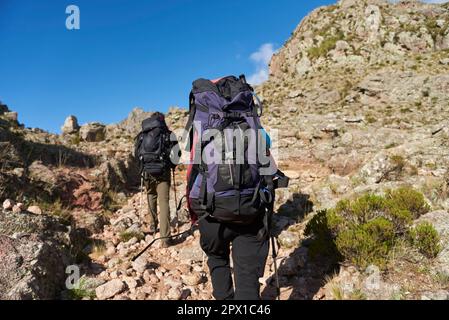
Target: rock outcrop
pixel 34 250
pixel 92 132
pixel 362 85
pixel 363 90
pixel 130 126
pixel 70 126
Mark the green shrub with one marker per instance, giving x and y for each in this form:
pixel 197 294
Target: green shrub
pixel 442 278
pixel 76 139
pixel 401 218
pixel 434 29
pixel 398 163
pixel 426 239
pixel 357 294
pixel 370 119
pixel 126 236
pixel 81 291
pixel 434 100
pixel 406 198
pixel 323 244
pixel 56 208
pixel 391 145
pixel 368 243
pixel 410 28
pixel 326 45
pixel 109 200
pixel 363 208
pixel 364 231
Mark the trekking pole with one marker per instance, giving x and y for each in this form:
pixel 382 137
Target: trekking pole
pixel 276 275
pixel 274 254
pixel 161 238
pixel 191 229
pixel 141 195
pixel 176 200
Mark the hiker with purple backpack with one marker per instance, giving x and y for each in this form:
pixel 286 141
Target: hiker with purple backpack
pixel 231 184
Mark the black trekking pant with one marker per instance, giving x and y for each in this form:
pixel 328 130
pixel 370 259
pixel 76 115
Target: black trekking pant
pixel 248 253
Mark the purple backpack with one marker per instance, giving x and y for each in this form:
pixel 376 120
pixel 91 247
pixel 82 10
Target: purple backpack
pixel 228 148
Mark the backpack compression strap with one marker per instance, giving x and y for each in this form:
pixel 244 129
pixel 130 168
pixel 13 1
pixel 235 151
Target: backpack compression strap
pixel 189 124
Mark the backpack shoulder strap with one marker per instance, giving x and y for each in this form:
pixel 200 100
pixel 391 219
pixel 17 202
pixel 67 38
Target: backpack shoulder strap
pixel 192 110
pixel 137 143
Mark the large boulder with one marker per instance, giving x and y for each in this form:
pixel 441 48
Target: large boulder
pixel 89 222
pixel 38 172
pixel 11 116
pixel 34 210
pixel 35 251
pixel 117 174
pixel 8 204
pixel 373 20
pixel 93 132
pixel 110 289
pixel 303 66
pixel 70 126
pixel 288 239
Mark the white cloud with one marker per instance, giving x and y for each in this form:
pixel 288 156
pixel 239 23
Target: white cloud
pixel 264 54
pixel 261 58
pixel 258 77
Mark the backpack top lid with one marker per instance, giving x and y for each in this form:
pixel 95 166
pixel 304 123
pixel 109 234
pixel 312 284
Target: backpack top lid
pixel 227 87
pixel 157 120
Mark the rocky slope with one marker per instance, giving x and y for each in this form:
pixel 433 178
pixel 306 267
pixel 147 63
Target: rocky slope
pixel 358 96
pixel 81 177
pixel 364 85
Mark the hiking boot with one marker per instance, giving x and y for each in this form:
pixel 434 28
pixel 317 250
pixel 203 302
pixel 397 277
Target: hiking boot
pixel 167 243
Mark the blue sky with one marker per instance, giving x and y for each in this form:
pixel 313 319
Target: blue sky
pixel 131 53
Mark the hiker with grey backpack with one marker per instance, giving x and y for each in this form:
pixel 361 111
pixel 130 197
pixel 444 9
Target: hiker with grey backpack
pixel 154 147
